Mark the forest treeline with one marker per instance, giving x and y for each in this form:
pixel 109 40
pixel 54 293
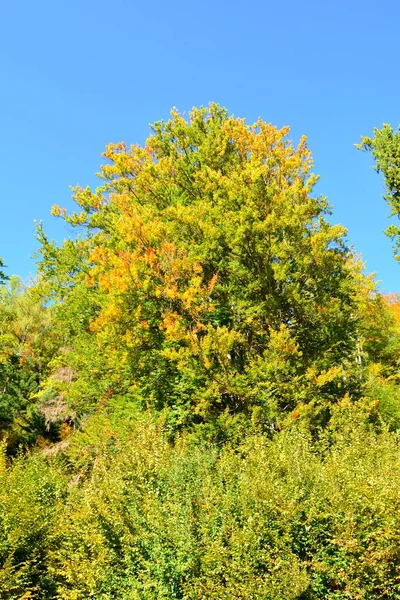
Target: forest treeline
pixel 199 393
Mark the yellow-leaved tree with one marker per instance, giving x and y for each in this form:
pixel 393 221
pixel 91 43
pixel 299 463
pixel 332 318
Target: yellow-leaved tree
pixel 208 278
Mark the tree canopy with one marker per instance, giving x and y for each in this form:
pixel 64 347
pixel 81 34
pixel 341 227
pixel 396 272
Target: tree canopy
pixel 385 149
pixel 208 278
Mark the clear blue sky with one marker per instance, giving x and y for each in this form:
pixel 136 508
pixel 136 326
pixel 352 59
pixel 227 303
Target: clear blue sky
pixel 79 74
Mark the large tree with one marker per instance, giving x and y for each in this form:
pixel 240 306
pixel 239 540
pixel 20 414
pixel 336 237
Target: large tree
pixel 208 278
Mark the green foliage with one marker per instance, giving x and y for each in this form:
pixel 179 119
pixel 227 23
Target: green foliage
pixel 385 149
pixel 204 384
pixel 143 518
pixel 207 279
pixel 3 276
pixel 27 343
pixel 29 492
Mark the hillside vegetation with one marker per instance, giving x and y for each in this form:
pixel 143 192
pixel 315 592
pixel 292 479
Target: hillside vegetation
pixel 199 394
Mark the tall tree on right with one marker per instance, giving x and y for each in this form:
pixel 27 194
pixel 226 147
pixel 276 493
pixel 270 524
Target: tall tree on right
pixel 385 148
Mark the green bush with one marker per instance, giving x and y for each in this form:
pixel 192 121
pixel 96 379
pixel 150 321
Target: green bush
pixel 31 492
pixel 286 518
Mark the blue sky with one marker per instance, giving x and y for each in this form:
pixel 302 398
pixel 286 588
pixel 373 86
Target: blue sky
pixel 79 74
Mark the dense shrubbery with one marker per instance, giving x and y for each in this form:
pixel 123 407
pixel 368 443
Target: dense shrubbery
pixel 200 394
pixel 134 516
